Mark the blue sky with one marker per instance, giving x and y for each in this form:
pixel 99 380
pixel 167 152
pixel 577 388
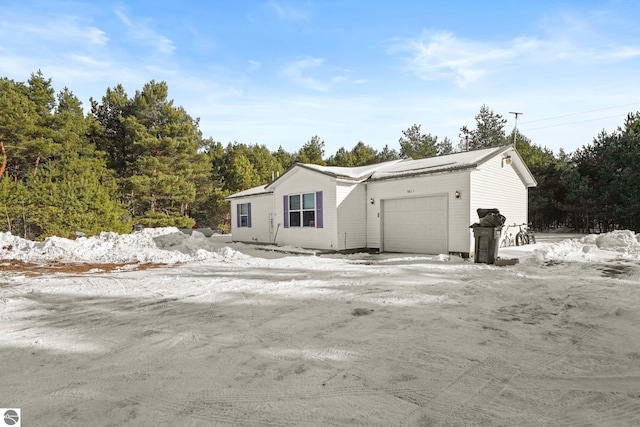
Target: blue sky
pixel 278 72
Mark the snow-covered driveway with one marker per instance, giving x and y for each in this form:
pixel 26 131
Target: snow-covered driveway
pixel 294 340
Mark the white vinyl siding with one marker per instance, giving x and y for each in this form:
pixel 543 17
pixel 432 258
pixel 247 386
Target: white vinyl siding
pixel 429 185
pixel 352 216
pixel 260 228
pixel 298 182
pixel 497 185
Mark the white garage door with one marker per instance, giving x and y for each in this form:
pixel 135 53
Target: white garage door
pixel 416 225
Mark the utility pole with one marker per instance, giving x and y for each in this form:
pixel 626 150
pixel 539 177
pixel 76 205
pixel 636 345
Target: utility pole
pixel 515 129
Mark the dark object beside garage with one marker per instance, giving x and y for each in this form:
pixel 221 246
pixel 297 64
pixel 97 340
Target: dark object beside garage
pixel 486 247
pixel 487 235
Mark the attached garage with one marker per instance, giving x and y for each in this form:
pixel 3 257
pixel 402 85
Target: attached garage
pixel 420 206
pixel 415 225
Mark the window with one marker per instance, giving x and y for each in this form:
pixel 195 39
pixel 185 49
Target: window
pixel 303 210
pixel 294 211
pixel 309 210
pixel 244 215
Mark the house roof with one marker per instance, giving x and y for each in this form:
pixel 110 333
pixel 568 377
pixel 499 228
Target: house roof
pixel 359 173
pixel 406 168
pixel 452 162
pixel 255 191
pixel 463 160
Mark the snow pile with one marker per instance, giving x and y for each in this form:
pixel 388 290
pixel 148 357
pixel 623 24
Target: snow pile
pixel 152 245
pixel 620 241
pixel 622 244
pixel 169 246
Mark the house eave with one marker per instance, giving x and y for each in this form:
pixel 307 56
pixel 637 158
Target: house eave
pixel 336 175
pixel 248 193
pixel 402 175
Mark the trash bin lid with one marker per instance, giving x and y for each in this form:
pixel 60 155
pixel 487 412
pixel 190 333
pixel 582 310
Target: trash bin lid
pixel 482 212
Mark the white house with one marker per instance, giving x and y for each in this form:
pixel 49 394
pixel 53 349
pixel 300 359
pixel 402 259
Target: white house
pixel 415 206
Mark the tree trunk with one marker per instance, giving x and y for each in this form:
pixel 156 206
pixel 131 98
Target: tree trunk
pixel 24 222
pixel 3 166
pixel 132 205
pixel 6 211
pixel 35 169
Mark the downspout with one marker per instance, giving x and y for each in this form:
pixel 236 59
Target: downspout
pixel 276 236
pixel 366 216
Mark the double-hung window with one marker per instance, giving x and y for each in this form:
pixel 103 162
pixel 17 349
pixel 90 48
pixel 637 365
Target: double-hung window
pixel 244 215
pixel 303 210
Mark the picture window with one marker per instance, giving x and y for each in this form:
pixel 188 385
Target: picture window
pixel 302 210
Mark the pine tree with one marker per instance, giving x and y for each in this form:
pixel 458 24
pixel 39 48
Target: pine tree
pixel 285 159
pixel 363 154
pixel 415 145
pixel 154 148
pixel 264 162
pixel 18 120
pixel 387 154
pixel 40 147
pixel 342 158
pixel 312 152
pixel 75 191
pixel 489 131
pixel 545 200
pixel 109 133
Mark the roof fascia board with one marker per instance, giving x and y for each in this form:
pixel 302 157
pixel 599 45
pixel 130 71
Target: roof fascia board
pixel 285 175
pixel 499 150
pixel 293 169
pixel 244 196
pixel 523 170
pixel 336 175
pixel 423 172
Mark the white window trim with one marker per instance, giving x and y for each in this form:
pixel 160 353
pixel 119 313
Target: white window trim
pixel 245 215
pixel 301 211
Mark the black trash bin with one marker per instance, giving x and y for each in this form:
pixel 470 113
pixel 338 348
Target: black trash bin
pixel 486 244
pixel 487 235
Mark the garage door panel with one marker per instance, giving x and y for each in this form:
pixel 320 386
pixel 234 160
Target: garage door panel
pixel 415 225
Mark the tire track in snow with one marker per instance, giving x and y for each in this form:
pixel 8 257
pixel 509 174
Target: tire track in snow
pixel 257 401
pixel 481 391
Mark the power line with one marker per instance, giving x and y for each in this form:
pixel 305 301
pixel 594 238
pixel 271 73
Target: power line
pixel 571 123
pixel 584 112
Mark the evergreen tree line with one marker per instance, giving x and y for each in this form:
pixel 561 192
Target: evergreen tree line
pixel 142 160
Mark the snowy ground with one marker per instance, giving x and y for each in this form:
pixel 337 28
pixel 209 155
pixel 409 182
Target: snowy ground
pixel 158 328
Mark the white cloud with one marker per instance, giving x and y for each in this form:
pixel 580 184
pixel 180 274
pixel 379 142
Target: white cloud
pixel 444 56
pixel 97 36
pixel 287 12
pixel 87 60
pixel 437 56
pixel 45 42
pixel 625 52
pixel 61 28
pixel 301 73
pixel 123 17
pixel 142 32
pixel 296 72
pixel 254 65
